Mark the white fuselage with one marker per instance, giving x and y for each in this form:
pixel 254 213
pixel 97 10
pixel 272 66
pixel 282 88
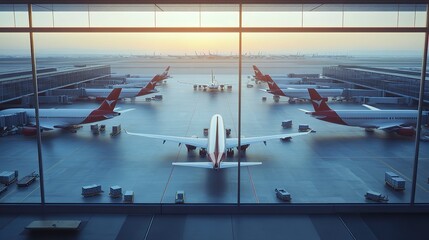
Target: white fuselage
pixel 138 79
pixel 296 86
pixel 303 93
pixel 285 80
pixel 104 92
pixel 53 117
pixel 216 148
pixel 377 118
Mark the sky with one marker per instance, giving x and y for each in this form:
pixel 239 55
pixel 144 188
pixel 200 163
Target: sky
pixel 216 43
pixel 219 43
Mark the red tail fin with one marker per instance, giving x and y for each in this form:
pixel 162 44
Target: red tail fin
pixel 258 74
pixel 164 75
pixel 319 103
pixel 274 88
pixel 150 86
pixel 110 102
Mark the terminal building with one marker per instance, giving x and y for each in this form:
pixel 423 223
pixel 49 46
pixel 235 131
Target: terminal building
pixel 392 82
pixel 18 84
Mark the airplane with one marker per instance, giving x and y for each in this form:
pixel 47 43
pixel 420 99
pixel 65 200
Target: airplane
pixel 101 93
pixel 399 121
pixel 67 118
pixel 281 79
pixel 299 93
pixel 145 79
pixel 216 146
pixel 213 85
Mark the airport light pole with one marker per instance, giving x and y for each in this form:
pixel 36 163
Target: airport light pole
pixel 36 105
pixel 420 110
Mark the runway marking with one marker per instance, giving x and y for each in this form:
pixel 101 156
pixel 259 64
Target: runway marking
pixel 253 185
pixel 177 155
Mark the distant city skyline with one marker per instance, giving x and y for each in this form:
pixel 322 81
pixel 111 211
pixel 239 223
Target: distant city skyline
pixel 387 44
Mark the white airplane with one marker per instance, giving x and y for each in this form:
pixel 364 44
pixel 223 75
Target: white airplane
pixel 66 118
pixel 281 79
pixel 399 121
pixel 101 93
pixel 299 93
pixel 213 85
pixel 216 146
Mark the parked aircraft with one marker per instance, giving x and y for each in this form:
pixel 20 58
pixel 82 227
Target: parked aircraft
pixel 400 121
pixel 299 93
pixel 216 146
pixel 67 118
pixel 213 85
pixel 280 79
pixel 101 93
pixel 145 79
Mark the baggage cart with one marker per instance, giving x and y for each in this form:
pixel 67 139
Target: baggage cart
pixel 375 196
pixel 27 180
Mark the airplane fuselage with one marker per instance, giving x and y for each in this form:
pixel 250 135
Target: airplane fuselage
pixel 369 118
pixel 125 93
pixel 303 93
pixel 216 148
pixel 62 117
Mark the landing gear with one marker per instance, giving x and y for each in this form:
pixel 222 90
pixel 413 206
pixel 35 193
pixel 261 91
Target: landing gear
pixel 203 152
pixel 230 152
pixel 190 147
pixel 244 147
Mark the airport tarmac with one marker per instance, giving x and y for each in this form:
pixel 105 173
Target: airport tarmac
pixel 336 164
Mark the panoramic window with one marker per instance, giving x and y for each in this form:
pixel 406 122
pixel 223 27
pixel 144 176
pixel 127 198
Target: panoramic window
pixel 145 103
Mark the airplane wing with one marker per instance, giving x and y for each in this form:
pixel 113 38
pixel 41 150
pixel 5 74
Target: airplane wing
pixel 306 111
pixel 197 142
pixel 370 107
pixel 389 126
pixel 210 164
pixel 124 111
pixel 233 142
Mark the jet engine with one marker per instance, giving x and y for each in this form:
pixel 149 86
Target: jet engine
pixel 29 131
pixel 406 131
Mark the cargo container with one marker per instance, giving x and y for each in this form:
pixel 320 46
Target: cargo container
pixel 303 127
pixel 287 124
pixel 91 190
pixel 116 130
pixel 115 191
pixel 394 181
pixel 8 178
pixel 129 196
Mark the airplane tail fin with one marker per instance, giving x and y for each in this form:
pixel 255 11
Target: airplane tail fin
pixel 150 86
pixel 274 88
pixel 258 74
pixel 110 102
pixel 165 75
pixel 319 103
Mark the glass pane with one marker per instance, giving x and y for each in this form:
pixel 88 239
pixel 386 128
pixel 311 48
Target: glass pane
pixel 13 15
pixel 345 155
pixel 87 156
pixel 334 15
pixel 423 157
pixel 272 15
pixel 17 141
